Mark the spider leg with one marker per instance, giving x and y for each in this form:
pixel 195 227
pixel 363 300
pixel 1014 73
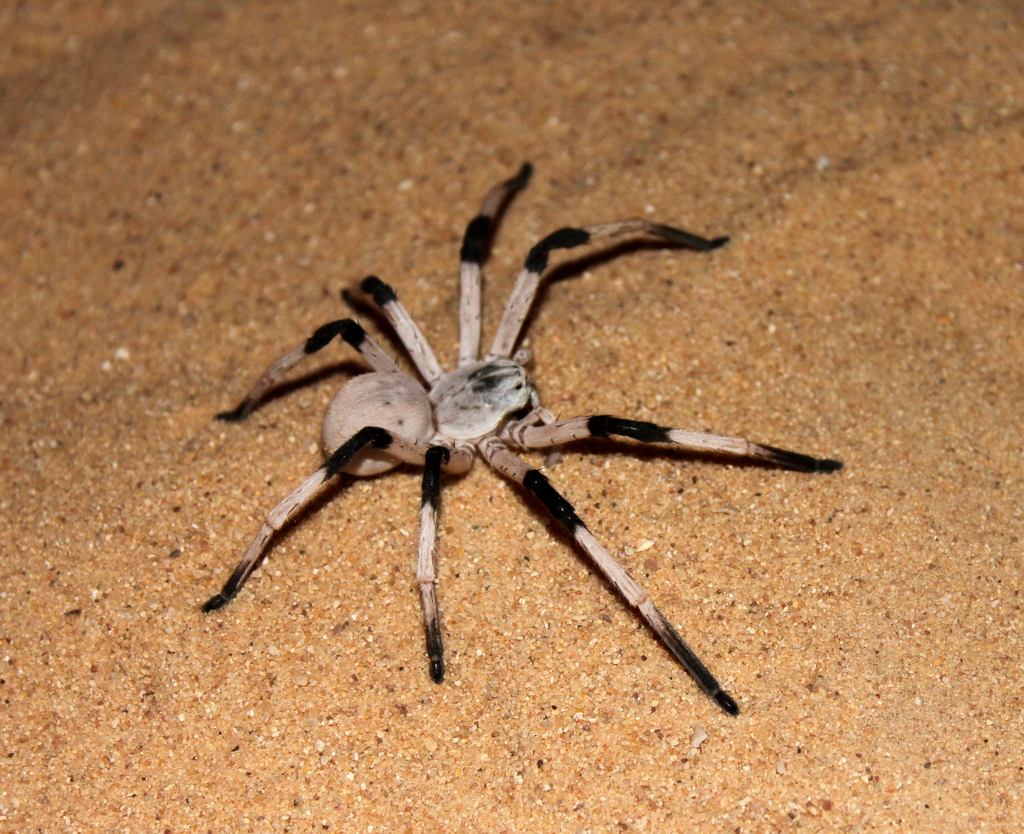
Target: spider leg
pixel 525 289
pixel 379 438
pixel 474 250
pixel 406 329
pixel 533 480
pixel 347 329
pixel 426 571
pixel 602 425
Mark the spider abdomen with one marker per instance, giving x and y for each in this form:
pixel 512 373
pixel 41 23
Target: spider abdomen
pixel 474 399
pixel 389 401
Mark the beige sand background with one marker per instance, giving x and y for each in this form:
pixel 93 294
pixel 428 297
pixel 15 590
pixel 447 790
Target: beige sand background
pixel 187 186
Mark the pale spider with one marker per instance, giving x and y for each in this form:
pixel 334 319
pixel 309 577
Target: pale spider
pixel 485 406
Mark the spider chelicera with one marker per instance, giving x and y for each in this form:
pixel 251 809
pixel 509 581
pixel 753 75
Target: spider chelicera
pixel 487 407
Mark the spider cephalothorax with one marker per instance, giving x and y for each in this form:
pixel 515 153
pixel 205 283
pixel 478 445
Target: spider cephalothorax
pixel 485 407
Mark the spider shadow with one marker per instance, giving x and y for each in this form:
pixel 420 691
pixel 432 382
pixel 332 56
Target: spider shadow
pixel 565 538
pixel 575 267
pixel 364 309
pixel 354 297
pixel 594 448
pixel 571 269
pixel 334 491
pixel 346 368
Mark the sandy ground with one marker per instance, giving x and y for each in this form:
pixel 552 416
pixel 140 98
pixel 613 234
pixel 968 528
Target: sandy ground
pixel 186 189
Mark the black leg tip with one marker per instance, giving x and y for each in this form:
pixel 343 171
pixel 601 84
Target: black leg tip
pixel 523 177
pixel 381 293
pixel 687 239
pixel 235 415
pixel 795 460
pixel 437 671
pixel 215 603
pixel 726 702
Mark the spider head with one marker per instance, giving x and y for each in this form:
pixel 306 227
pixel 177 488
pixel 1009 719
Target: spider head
pixel 474 400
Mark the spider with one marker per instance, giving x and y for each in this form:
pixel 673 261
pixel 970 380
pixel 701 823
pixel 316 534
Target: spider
pixel 487 407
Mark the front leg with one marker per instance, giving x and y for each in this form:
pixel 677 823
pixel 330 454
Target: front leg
pixel 346 329
pixel 474 251
pixel 602 425
pixel 525 289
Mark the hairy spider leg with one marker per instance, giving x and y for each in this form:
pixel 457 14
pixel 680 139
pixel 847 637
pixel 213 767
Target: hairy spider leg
pixel 347 329
pixel 510 465
pixel 405 328
pixel 525 290
pixel 426 570
pixel 602 425
pixel 375 436
pixel 471 257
